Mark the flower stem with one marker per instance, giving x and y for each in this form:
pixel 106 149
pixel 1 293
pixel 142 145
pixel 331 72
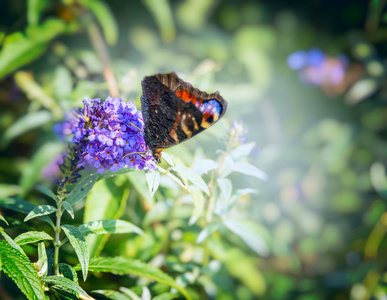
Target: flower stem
pixel 57 242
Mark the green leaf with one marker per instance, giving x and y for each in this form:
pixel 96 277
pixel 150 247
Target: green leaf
pixel 138 181
pixel 82 188
pixel 250 233
pixel 114 295
pixel 7 190
pixel 122 266
pixel 203 166
pixel 109 226
pixel 242 151
pixel 198 201
pixel 40 210
pixel 207 231
pixel 162 13
pixel 22 206
pixel 165 296
pixel 41 158
pixel 247 169
pixel 106 201
pixel 32 237
pixel 105 18
pixel 34 10
pixel 161 211
pixel 68 272
pixel 68 208
pixel 78 241
pixel 65 293
pixel 11 241
pixel 109 174
pixel 153 180
pixel 42 262
pixel 46 191
pixel 3 219
pixel 129 293
pixel 26 123
pixel 19 268
pixel 225 186
pixel 19 50
pixel 66 284
pixel 168 159
pixel 192 177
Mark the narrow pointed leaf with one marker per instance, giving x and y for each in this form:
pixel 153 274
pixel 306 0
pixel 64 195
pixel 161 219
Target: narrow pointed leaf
pixel 192 177
pixel 198 202
pixel 82 189
pixel 3 219
pixel 109 226
pixel 32 237
pixel 40 210
pixel 19 268
pixel 122 266
pixel 66 284
pixel 78 241
pixel 68 208
pixel 153 180
pixel 42 262
pixel 168 159
pixel 46 191
pixel 250 233
pixel 248 169
pixel 68 272
pixel 207 231
pixel 203 166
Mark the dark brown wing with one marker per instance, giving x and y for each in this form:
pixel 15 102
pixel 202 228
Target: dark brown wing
pixel 174 111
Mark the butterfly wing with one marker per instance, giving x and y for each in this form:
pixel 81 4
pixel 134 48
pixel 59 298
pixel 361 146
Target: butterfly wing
pixel 174 111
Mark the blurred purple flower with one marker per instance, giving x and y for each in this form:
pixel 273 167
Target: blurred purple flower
pixel 109 136
pixel 235 136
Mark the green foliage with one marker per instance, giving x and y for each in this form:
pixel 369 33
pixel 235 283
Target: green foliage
pixel 21 270
pixel 121 266
pixel 82 189
pixel 66 285
pixel 40 210
pixel 78 241
pixel 30 237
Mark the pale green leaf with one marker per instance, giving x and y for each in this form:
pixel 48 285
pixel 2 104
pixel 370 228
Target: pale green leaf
pixel 40 210
pixel 153 180
pixel 129 293
pixel 168 159
pixel 19 268
pixel 82 188
pixel 78 241
pixel 248 169
pixel 114 295
pixel 109 226
pixel 203 166
pixel 165 296
pixel 67 285
pixel 7 190
pixel 225 186
pixel 207 231
pixel 198 202
pixel 46 191
pixel 242 151
pixel 42 262
pixel 30 237
pixel 68 208
pixel 138 181
pixel 192 177
pixel 123 266
pixel 250 233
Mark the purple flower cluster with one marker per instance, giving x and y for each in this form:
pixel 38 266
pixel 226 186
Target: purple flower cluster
pixel 235 136
pixel 317 68
pixel 109 136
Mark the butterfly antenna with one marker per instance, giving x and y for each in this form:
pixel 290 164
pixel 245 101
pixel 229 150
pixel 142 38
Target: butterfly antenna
pixel 133 153
pixel 135 126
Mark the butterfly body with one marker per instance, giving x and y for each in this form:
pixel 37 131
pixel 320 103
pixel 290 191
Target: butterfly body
pixel 174 111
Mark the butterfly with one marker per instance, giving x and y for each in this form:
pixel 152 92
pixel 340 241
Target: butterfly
pixel 174 111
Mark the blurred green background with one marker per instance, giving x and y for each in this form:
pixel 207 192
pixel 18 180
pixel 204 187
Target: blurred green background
pixel 319 127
